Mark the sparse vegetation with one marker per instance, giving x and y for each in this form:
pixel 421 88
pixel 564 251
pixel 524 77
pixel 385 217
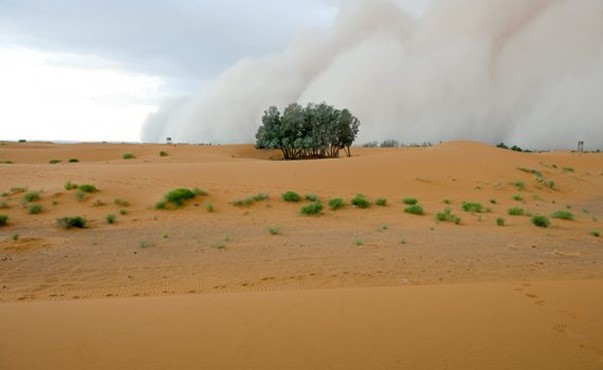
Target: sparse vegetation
pixel 531 171
pixel 492 201
pixel 128 156
pixel 123 211
pixel 336 203
pixel 515 211
pixel 209 207
pixel 563 215
pixel 3 220
pixel 163 154
pixel 415 209
pixel 410 201
pixel 274 230
pixel 383 227
pixel 568 169
pixel 250 200
pixel 98 203
pixel 311 209
pixel 176 198
pixel 87 188
pixel 72 222
pixel 73 160
pixel 80 195
pixel 595 233
pixel 200 192
pixel 500 221
pixel 381 202
pixel 31 196
pixel 473 207
pixel 447 201
pixel 4 205
pixel 359 243
pixel 121 203
pixel 34 209
pixel 518 197
pixel 360 201
pixel 448 216
pixel 70 186
pixel 15 237
pixel 520 185
pixel 541 221
pixel 312 197
pixel 110 218
pixel 291 196
pixel 54 161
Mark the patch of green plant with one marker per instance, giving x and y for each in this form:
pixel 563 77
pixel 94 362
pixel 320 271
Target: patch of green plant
pixel 31 196
pixel 336 203
pixel 70 186
pixel 260 197
pixel 4 205
pixel 312 197
pixel 518 197
pixel 110 218
pixel 121 202
pixel 595 233
pixel 544 181
pixel 274 230
pixel 72 222
pixel 163 154
pixel 200 192
pixel 209 207
pixel 54 161
pixel 73 160
pixel 359 243
pixel 492 201
pixel 243 202
pixel 18 190
pixel 128 156
pixel 447 201
pixel 291 196
pixel 175 198
pixel 410 201
pixel 123 211
pixel 360 202
pixel 34 209
pixel 15 237
pixel 568 169
pixel 381 202
pixel 516 211
pixel 3 220
pixel 219 245
pixel 80 195
pixel 414 209
pixel 472 207
pixel 563 215
pixel 311 209
pixel 383 227
pixel 87 188
pixel 520 185
pixel 500 221
pixel 531 171
pixel 98 203
pixel 448 216
pixel 541 221
pixel 144 244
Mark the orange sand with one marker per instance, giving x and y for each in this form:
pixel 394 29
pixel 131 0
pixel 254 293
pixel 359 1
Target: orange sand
pixel 404 291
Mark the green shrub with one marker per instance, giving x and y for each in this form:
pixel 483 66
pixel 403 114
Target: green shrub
pixel 520 185
pixel 563 215
pixel 500 221
pixel 472 207
pixel 447 201
pixel 274 230
pixel 34 209
pixel 260 197
pixel 516 211
pixel 163 154
pixel 87 188
pixel 568 169
pixel 4 205
pixel 110 218
pixel 313 208
pixel 312 197
pixel 360 202
pixel 448 216
pixel 415 209
pixel 209 207
pixel 54 161
pixel 3 220
pixel 73 160
pixel 80 195
pixel 31 196
pixel 243 202
pixel 410 201
pixel 595 233
pixel 18 190
pixel 291 196
pixel 175 198
pixel 70 186
pixel 541 221
pixel 201 192
pixel 121 202
pixel 492 201
pixel 336 203
pixel 71 222
pixel 518 197
pixel 381 202
pixel 123 212
pixel 128 156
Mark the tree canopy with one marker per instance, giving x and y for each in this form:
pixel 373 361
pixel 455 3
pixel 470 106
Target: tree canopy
pixel 313 131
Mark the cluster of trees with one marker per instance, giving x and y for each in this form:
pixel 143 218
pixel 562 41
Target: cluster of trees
pixel 313 131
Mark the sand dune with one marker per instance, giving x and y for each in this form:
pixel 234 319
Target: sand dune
pixel 191 252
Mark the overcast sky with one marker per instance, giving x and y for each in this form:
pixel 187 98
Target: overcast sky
pixel 94 69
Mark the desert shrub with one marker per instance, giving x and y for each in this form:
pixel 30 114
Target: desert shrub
pixel 360 202
pixel 70 186
pixel 31 196
pixel 472 207
pixel 336 203
pixel 274 230
pixel 447 201
pixel 34 209
pixel 493 201
pixel 175 198
pixel 500 221
pixel 201 192
pixel 128 156
pixel 87 188
pixel 18 190
pixel 80 195
pixel 531 171
pixel 121 202
pixel 410 201
pixel 3 220
pixel 291 196
pixel 71 222
pixel 381 202
pixel 448 216
pixel 73 160
pixel 312 197
pixel 520 185
pixel 54 161
pixel 123 212
pixel 568 169
pixel 595 233
pixel 313 208
pixel 518 197
pixel 110 218
pixel 163 154
pixel 541 221
pixel 415 209
pixel 546 182
pixel 515 211
pixel 243 202
pixel 4 205
pixel 563 215
pixel 209 207
pixel 260 197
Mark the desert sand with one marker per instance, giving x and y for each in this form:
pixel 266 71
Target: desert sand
pixel 372 288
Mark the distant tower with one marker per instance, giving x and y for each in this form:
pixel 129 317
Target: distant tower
pixel 168 140
pixel 580 146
